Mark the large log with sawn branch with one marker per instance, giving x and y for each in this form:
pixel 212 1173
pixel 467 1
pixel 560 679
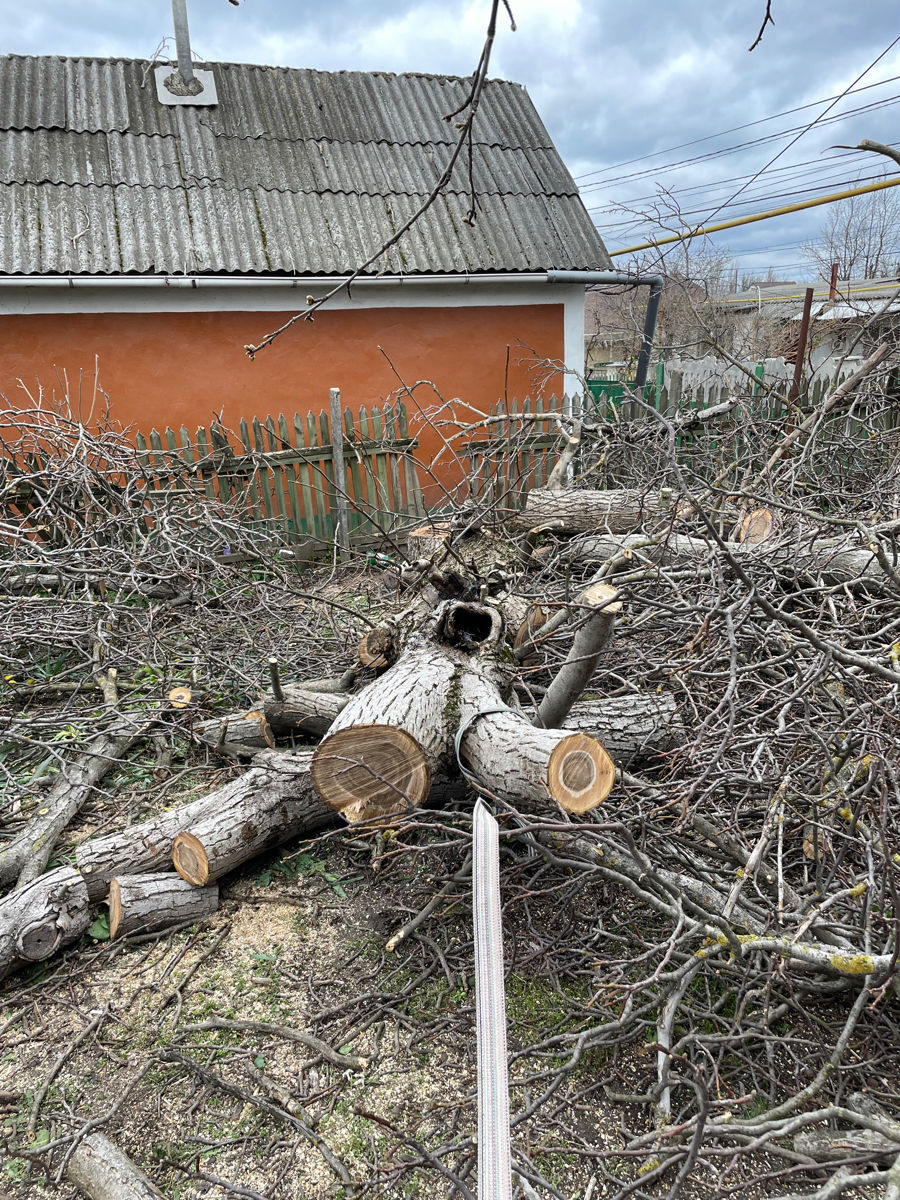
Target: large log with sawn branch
pixel 619 510
pixel 444 704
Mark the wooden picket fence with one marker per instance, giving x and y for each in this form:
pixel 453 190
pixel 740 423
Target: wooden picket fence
pixel 517 446
pixel 520 444
pixel 279 473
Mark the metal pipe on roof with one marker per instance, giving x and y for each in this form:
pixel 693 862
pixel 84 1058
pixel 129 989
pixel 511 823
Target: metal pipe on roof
pixel 654 282
pixel 182 41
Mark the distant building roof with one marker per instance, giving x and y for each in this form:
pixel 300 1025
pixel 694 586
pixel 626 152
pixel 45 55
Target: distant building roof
pixel 853 298
pixel 293 171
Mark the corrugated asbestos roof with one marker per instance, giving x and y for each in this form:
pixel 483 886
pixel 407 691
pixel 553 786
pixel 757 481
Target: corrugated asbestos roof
pixel 294 171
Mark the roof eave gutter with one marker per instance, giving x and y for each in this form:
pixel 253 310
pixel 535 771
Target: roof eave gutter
pixel 654 282
pixel 280 281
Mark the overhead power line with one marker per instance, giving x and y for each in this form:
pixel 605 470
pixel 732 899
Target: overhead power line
pixel 736 128
pixel 688 234
pixel 769 138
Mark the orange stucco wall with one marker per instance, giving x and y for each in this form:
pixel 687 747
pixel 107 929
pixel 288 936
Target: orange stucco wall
pixel 181 368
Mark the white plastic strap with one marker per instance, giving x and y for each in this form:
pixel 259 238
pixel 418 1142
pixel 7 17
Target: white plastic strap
pixel 494 1175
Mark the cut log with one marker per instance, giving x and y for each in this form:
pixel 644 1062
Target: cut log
pixel 264 808
pixel 427 541
pixel 301 711
pixel 147 846
pixel 508 757
pixel 835 562
pixel 100 1170
pixel 140 848
pixel 630 728
pixel 40 918
pixel 591 635
pixel 756 526
pixel 615 511
pixel 143 903
pixel 384 746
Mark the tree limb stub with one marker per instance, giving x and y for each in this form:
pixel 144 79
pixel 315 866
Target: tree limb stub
pixel 591 635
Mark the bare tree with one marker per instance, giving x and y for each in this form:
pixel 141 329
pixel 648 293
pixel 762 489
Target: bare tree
pixel 861 235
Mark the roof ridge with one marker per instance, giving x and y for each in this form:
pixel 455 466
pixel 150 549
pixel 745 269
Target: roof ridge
pixel 143 62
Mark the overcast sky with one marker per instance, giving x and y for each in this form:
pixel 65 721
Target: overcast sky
pixel 613 81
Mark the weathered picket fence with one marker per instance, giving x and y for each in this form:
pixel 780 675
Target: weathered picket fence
pixel 279 474
pixel 515 449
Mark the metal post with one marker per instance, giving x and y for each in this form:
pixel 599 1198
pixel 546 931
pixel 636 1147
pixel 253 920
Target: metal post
pixel 832 291
pixel 340 472
pixel 801 348
pixel 643 362
pixel 182 40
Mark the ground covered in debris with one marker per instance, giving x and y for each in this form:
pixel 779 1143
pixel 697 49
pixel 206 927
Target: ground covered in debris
pixel 700 971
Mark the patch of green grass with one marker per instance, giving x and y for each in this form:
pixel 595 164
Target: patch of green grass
pixel 533 1003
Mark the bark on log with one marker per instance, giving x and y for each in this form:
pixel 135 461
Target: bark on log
pixel 147 846
pixel 836 562
pixel 38 919
pixel 148 902
pixel 382 749
pixel 592 634
pixel 265 807
pixel 616 511
pixel 630 727
pixel 98 1168
pixel 833 1145
pixel 512 759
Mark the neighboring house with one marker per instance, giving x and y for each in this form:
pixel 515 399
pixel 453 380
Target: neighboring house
pixel 866 307
pixel 159 238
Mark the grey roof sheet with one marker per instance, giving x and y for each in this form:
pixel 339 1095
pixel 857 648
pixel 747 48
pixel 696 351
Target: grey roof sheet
pixel 293 171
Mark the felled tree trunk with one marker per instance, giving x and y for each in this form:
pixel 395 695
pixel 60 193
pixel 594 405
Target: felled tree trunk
pixel 143 903
pixel 147 847
pixel 40 918
pixel 98 1168
pixel 617 510
pixel 268 805
pixel 835 562
pixel 630 727
pixel 445 696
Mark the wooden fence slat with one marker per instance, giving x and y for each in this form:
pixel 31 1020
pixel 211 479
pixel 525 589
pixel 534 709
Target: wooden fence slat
pixel 380 466
pixel 413 490
pixel 205 465
pixel 252 496
pixel 390 433
pixel 266 483
pixel 291 482
pixel 303 471
pixel 357 493
pixel 278 487
pixel 329 490
pixel 317 483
